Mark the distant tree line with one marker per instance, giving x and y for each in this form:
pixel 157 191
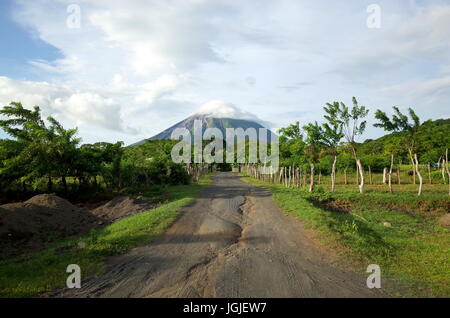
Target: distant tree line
pixel 44 156
pixel 333 145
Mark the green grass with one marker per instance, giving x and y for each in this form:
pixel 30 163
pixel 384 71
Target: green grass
pixel 41 272
pixel 414 253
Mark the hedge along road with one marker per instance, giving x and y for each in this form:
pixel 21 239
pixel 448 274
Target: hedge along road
pixel 232 242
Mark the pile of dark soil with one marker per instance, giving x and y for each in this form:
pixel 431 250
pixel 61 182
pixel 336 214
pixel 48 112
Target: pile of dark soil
pixel 28 226
pixel 121 207
pixel 333 205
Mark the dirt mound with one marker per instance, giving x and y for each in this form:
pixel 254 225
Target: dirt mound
pixel 28 226
pixel 334 205
pixel 445 220
pixel 121 207
pixel 51 201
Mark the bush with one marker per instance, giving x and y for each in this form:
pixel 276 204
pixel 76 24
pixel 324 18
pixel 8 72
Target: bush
pixel 376 162
pixel 178 175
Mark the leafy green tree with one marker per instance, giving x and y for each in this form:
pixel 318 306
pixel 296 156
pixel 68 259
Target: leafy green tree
pixel 292 145
pixel 314 140
pixel 151 163
pixel 350 120
pixel 12 165
pixel 62 149
pixel 33 139
pixel 332 135
pixel 401 123
pixel 41 150
pixel 293 131
pixel 21 122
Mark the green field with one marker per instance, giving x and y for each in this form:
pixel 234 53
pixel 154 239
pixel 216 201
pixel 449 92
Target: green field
pixel 413 252
pixel 35 274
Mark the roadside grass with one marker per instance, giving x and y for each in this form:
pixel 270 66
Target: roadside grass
pixel 413 253
pixel 35 274
pixel 434 199
pixel 406 177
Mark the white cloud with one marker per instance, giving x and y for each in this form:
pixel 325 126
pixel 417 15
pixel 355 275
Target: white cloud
pixel 82 108
pixel 134 70
pixel 29 93
pixel 411 40
pixel 429 93
pixel 151 91
pixel 160 36
pixel 221 109
pixel 69 64
pixel 427 31
pixel 74 108
pixel 117 110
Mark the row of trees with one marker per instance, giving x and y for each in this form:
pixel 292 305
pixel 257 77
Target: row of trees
pixel 44 150
pixel 316 143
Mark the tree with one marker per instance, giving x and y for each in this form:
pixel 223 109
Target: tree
pixel 332 135
pixel 314 141
pixel 12 167
pixel 32 138
pixel 21 122
pixel 291 149
pixel 351 123
pixel 291 144
pixel 63 149
pixel 292 131
pixel 400 123
pixel 42 151
pixel 114 153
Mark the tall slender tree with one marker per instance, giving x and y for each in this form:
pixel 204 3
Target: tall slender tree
pixel 350 120
pixel 314 141
pixel 63 149
pixel 332 135
pixel 401 123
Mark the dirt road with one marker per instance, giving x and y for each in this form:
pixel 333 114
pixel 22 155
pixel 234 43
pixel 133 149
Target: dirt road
pixel 232 242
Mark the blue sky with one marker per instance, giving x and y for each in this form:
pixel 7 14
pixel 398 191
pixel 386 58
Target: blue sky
pixel 20 45
pixel 129 72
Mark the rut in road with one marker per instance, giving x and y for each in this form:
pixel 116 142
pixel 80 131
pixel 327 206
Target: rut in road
pixel 232 242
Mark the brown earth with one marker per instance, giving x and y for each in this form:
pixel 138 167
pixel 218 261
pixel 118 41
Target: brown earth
pixel 121 207
pixel 232 242
pixel 31 225
pixel 334 205
pixel 445 220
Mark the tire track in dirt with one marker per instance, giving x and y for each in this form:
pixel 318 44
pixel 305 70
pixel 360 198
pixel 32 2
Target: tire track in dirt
pixel 232 242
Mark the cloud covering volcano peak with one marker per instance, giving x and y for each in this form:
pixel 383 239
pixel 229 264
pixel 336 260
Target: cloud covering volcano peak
pixel 220 109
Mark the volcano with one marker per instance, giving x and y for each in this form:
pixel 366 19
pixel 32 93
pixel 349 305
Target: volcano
pixel 212 115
